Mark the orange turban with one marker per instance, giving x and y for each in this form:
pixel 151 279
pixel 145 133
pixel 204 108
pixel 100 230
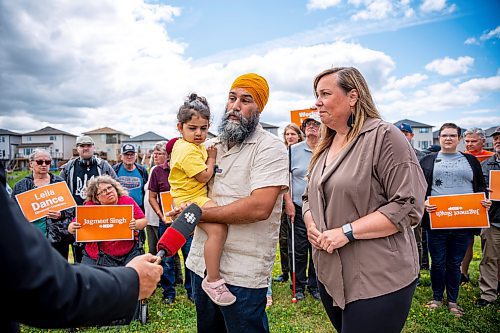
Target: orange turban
pixel 256 85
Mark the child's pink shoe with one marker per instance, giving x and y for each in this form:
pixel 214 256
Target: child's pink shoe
pixel 218 292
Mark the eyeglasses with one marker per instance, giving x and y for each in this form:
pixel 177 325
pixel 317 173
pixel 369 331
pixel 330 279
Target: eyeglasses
pixel 449 136
pixel 40 162
pixel 313 124
pixel 106 190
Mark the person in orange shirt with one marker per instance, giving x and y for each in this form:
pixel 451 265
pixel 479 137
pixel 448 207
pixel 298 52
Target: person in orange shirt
pixel 474 138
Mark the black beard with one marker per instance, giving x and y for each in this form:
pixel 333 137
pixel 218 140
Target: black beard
pixel 235 133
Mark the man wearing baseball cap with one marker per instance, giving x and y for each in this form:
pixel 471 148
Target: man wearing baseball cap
pixel 248 187
pixel 79 170
pixel 131 175
pixel 489 268
pixel 407 131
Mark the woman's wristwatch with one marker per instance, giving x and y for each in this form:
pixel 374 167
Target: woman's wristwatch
pixel 347 229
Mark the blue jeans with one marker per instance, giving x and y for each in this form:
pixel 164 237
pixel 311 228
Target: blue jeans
pixel 247 314
pixel 167 280
pixel 447 249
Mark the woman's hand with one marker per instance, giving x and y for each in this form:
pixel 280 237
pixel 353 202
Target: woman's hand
pixel 211 152
pixel 333 239
pixel 73 226
pixel 486 203
pixel 428 207
pixel 132 225
pixel 312 232
pixel 290 210
pixel 54 215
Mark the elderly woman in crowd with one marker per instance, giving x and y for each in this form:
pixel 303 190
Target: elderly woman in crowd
pixel 291 135
pixel 104 190
pixel 55 225
pixel 159 157
pixel 365 192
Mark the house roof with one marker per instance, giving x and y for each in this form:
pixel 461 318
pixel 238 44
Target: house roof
pixel 490 131
pixel 49 131
pixel 266 125
pixel 104 130
pixel 7 132
pixel 35 145
pixel 148 136
pixel 411 123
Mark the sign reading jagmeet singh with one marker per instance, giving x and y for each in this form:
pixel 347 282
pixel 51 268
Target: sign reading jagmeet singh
pixel 37 203
pixel 459 211
pixel 104 223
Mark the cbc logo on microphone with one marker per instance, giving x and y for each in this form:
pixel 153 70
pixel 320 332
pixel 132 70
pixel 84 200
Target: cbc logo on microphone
pixel 190 218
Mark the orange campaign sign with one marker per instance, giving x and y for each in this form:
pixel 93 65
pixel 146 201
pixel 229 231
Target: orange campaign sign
pixel 104 223
pixel 36 203
pixel 167 204
pixel 459 211
pixel 495 185
pixel 298 116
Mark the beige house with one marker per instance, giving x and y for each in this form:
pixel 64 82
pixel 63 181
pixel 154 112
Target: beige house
pixel 108 142
pixel 59 143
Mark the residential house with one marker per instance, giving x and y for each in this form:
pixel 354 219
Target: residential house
pixel 144 145
pixel 108 142
pixel 270 128
pixel 59 143
pixel 489 139
pixel 422 138
pixel 9 141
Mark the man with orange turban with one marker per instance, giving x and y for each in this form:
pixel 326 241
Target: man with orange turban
pixel 248 188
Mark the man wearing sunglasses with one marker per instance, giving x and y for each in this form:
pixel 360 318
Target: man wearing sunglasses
pixel 77 172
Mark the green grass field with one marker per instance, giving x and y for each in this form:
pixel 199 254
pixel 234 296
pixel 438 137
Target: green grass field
pixel 309 316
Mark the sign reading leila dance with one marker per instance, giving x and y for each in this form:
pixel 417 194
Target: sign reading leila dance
pixel 36 203
pixel 104 223
pixel 459 211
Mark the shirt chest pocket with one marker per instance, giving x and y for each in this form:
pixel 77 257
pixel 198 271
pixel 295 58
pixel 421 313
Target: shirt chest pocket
pixel 233 181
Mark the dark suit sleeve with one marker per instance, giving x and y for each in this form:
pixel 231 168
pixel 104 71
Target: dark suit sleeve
pixel 41 289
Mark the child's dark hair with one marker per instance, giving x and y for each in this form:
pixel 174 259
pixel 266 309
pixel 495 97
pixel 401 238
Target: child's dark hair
pixel 194 105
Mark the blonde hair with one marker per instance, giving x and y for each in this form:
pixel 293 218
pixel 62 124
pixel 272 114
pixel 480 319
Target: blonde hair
pixel 93 187
pixel 348 78
pixel 297 130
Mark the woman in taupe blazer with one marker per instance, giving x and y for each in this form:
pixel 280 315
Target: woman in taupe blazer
pixel 365 192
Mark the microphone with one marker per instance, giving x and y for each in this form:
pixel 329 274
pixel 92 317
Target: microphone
pixel 177 234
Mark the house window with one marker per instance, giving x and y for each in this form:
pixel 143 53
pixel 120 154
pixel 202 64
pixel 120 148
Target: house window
pixel 424 130
pixel 2 138
pixel 425 144
pixel 28 138
pixel 2 153
pixel 52 138
pixel 112 139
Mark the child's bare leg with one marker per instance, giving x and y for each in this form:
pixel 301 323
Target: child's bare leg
pixel 214 244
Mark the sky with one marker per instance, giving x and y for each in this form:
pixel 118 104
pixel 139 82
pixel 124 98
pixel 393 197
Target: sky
pixel 128 64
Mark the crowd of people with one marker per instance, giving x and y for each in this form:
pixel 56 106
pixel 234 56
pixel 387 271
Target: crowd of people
pixel 344 194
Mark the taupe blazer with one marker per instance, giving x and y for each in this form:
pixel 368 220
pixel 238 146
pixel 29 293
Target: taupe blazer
pixel 378 171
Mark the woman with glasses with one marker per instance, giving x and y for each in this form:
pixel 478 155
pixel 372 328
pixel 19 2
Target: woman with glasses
pixel 449 172
pixel 55 225
pixel 104 190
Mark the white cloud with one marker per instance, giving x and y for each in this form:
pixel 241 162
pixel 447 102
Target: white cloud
pixel 433 5
pixel 448 66
pixel 322 4
pixel 444 96
pixel 409 81
pixel 471 41
pixel 495 33
pixel 375 10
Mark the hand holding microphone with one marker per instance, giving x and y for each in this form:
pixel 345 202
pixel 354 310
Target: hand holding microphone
pixel 177 234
